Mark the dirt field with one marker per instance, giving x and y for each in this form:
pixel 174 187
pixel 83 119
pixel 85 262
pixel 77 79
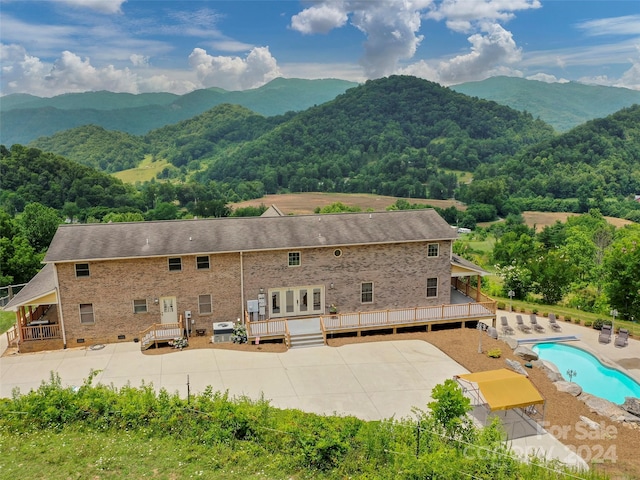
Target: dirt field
pixel 306 203
pixel 562 411
pixel 543 219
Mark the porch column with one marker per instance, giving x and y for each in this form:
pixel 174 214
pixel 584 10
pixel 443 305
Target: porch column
pixel 19 324
pixel 479 284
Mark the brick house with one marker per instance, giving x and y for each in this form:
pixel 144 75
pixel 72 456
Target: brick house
pixel 105 283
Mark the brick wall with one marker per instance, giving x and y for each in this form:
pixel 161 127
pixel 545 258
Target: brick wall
pixel 398 271
pixel 113 286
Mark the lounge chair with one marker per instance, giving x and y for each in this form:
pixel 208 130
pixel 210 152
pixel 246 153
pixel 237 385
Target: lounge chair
pixel 506 328
pixel 623 338
pixel 605 334
pixel 534 323
pixel 521 325
pixel 555 326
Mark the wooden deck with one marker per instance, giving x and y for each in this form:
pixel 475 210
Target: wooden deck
pixel 380 320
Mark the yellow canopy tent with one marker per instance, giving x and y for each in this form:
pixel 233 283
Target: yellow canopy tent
pixel 504 389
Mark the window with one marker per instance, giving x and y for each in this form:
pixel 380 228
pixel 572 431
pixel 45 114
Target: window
pixel 82 269
pixel 432 287
pixel 86 314
pixel 175 264
pixel 205 304
pixel 366 292
pixel 140 306
pixel 433 249
pixel 202 263
pixel 294 259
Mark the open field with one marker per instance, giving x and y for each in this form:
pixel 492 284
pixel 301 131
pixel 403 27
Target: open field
pixel 145 172
pixel 306 203
pixel 543 219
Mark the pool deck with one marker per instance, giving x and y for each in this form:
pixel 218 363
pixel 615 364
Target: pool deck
pixel 626 359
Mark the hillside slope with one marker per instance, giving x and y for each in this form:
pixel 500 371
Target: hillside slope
pixel 562 105
pixel 25 118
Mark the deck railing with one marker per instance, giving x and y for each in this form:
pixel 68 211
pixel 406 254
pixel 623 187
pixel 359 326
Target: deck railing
pixel 407 316
pixel 12 335
pixel 160 332
pixel 382 318
pixel 41 332
pixel 268 328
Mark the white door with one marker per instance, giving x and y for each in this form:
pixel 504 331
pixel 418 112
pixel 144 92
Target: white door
pixel 168 310
pixel 296 301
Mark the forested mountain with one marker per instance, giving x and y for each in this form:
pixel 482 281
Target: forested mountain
pixel 589 166
pixel 562 105
pixel 93 146
pixel 25 118
pixel 30 175
pixel 390 136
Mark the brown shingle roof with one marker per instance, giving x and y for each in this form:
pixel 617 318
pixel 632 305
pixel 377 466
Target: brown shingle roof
pixel 184 237
pixel 40 285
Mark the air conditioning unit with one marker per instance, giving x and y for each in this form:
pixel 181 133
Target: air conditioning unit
pixel 222 332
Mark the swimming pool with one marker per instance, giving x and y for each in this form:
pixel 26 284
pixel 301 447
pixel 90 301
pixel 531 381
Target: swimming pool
pixel 594 377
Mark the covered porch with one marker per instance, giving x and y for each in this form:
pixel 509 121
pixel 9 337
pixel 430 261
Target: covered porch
pixel 37 325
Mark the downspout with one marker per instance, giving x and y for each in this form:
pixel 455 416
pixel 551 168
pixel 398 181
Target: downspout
pixel 60 315
pixel 241 288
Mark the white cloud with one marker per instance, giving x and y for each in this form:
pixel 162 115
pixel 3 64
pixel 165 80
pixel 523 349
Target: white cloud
pixel 234 73
pixel 627 25
pixel 547 78
pixel 24 73
pixel 494 50
pixel 461 15
pixel 139 60
pixel 391 28
pixel 320 18
pixel 103 6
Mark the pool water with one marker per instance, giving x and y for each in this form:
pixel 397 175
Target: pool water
pixel 594 377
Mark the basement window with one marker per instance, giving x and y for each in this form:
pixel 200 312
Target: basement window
pixel 140 306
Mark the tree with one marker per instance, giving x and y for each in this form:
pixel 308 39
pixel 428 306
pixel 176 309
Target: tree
pixel 621 267
pixel 552 275
pixel 39 224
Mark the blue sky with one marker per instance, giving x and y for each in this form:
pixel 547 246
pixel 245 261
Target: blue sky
pixel 60 46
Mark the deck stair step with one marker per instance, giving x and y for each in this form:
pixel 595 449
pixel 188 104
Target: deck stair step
pixel 302 340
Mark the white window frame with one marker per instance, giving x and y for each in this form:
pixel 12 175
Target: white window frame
pixel 80 270
pixel 202 304
pixel 431 287
pixel 89 312
pixel 291 259
pixel 199 264
pixel 172 267
pixel 431 246
pixel 140 305
pixel 362 292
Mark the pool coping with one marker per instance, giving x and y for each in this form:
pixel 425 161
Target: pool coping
pixel 607 362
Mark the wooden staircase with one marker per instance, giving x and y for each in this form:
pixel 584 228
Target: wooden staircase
pixel 160 333
pixel 301 340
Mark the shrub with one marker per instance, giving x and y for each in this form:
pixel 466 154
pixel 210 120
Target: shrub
pixel 501 305
pixel 599 322
pixel 494 353
pixel 545 314
pixel 588 323
pixel 576 321
pixel 535 310
pixel 239 334
pixel 567 318
pixel 523 310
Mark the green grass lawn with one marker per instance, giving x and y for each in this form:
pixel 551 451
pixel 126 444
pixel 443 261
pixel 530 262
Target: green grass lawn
pixel 7 320
pixel 146 171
